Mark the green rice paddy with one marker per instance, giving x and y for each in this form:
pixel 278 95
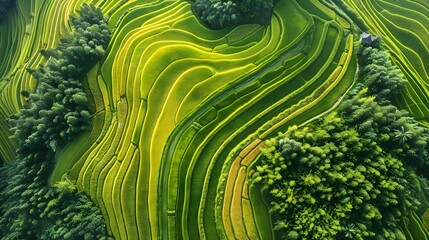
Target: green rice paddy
pixel 181 111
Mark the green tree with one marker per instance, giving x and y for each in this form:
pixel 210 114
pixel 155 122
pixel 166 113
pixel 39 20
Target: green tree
pixel 56 112
pixel 402 135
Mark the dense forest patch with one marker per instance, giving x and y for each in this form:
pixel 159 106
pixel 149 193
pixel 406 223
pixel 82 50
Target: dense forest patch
pixel 52 116
pixel 220 14
pixel 351 174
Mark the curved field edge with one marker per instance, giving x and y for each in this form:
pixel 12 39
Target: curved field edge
pixel 194 128
pixel 30 27
pixel 176 129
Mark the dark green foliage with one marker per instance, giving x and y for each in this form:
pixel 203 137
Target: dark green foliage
pixel 69 214
pixel 327 181
pixel 59 107
pixel 5 7
pixel 216 13
pixel 53 115
pixel 219 13
pixel 32 210
pixel 368 108
pixel 354 174
pixel 392 129
pixel 379 74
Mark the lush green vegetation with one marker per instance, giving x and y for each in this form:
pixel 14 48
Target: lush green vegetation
pixel 219 14
pixel 5 6
pixel 164 134
pixel 52 116
pixel 351 174
pixel 59 108
pixel 403 27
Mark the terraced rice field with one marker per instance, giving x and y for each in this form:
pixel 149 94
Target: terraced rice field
pixel 181 111
pixel 404 28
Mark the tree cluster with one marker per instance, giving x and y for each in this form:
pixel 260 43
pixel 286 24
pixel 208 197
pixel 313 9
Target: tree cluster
pixel 5 7
pixel 382 78
pixel 53 115
pixel 394 130
pixel 356 172
pixel 218 14
pixel 32 210
pixel 58 109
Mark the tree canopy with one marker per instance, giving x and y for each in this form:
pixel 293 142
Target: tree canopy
pixel 354 173
pixel 56 112
pixel 219 14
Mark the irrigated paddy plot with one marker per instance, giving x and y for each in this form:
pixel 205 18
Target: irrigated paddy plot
pixel 180 111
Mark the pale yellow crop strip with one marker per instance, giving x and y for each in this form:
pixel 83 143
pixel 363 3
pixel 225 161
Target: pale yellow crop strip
pixel 236 207
pixel 229 188
pixel 107 196
pixel 346 63
pixel 251 229
pixel 225 198
pixel 248 215
pixel 117 190
pixel 128 198
pixel 188 177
